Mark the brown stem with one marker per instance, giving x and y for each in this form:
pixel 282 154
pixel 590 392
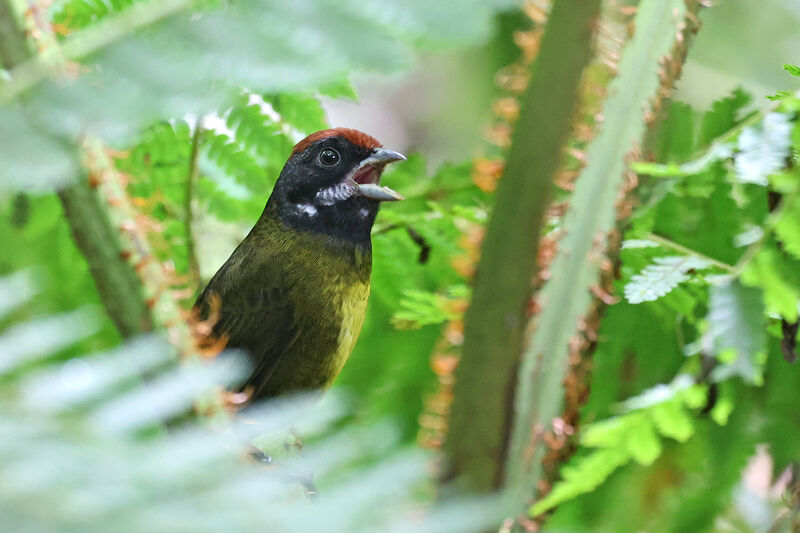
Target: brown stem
pixel 481 410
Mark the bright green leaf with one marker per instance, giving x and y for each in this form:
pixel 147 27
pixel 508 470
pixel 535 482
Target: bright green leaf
pixel 672 420
pixel 642 442
pixel 794 70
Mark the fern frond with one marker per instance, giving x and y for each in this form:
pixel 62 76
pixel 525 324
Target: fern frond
pixel 736 324
pixel 763 149
pixel 83 448
pixel 661 277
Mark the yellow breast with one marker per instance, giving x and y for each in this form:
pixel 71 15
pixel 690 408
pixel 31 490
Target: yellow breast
pixel 329 291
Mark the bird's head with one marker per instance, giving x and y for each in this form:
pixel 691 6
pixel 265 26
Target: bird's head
pixel 331 184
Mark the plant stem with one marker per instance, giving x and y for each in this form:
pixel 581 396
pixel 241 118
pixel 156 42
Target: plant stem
pixel 116 281
pixel 13 46
pixel 188 216
pixel 494 323
pixel 152 275
pixel 663 241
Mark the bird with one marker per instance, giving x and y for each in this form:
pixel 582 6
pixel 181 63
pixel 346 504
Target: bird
pixel 293 294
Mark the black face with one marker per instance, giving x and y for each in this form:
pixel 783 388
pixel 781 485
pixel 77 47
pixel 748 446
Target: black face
pixel 313 192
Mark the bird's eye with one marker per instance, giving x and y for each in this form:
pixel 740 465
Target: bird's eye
pixel 329 157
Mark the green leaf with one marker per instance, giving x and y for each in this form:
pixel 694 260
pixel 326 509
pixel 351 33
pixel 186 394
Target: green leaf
pixel 581 476
pixel 343 89
pixel 642 442
pixel 302 112
pixel 787 227
pixel 723 115
pixel 736 322
pixel 779 278
pixel 609 433
pixel 660 393
pixel 676 134
pixel 672 420
pixel 164 58
pixel 794 70
pixel 422 308
pixel 659 278
pixel 718 152
pixel 638 243
pixel 763 149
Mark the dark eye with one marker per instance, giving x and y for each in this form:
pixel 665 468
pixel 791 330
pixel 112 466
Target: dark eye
pixel 329 157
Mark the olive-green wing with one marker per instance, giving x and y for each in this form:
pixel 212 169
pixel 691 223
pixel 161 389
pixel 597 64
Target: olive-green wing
pixel 256 316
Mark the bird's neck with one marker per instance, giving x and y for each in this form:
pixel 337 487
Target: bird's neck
pixel 346 224
pixel 278 233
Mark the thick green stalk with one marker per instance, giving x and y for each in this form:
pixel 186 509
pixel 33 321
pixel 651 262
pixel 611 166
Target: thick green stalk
pixel 13 47
pixel 494 324
pixel 119 288
pixel 565 297
pixel 188 214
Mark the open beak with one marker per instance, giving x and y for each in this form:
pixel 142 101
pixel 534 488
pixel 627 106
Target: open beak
pixel 368 175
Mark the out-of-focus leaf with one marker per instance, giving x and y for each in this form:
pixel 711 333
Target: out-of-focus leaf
pixel 736 322
pixel 15 290
pixel 581 477
pixel 190 63
pixel 82 469
pixel 763 149
pixel 672 420
pixel 787 227
pixel 778 276
pixel 168 396
pixel 81 380
pixel 642 442
pixel 794 70
pixel 29 341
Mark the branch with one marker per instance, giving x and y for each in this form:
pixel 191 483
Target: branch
pixel 156 279
pixel 116 281
pixel 191 251
pixel 494 323
pixel 663 241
